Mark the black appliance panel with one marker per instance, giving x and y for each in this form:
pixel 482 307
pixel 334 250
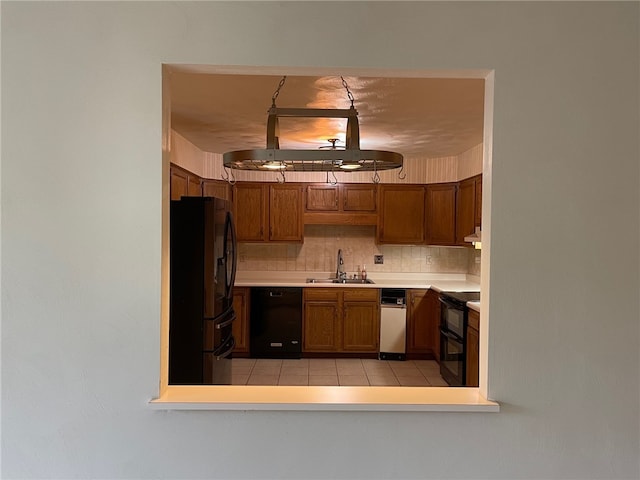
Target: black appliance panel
pixel 201 309
pixel 393 296
pixel 452 358
pixel 453 334
pixel 276 322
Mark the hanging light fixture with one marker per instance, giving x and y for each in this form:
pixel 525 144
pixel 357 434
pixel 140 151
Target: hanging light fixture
pixel 349 158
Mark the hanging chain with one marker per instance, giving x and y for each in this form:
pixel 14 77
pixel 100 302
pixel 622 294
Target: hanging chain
pixel 228 176
pixel 375 178
pixel 280 177
pixel 277 92
pixel 346 87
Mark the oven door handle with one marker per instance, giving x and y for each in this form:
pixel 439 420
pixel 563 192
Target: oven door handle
pixel 450 335
pixel 448 303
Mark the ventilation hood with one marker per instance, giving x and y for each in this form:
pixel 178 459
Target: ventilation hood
pixel 475 238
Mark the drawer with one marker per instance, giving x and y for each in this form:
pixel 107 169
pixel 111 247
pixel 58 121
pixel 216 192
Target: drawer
pixel 361 294
pixel 474 319
pixel 313 293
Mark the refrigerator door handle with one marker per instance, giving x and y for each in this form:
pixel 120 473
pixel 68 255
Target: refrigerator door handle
pixel 227 352
pixel 221 325
pixel 230 254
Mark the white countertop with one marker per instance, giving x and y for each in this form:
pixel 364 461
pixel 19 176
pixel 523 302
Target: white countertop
pixel 474 306
pixel 452 282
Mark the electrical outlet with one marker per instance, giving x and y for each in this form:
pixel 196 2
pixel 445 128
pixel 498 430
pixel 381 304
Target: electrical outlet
pixel 429 260
pixel 478 259
pixel 378 259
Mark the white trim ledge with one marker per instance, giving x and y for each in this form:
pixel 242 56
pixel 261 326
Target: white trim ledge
pixel 303 398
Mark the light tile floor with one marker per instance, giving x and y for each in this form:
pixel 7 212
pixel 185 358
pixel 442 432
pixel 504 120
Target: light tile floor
pixel 338 371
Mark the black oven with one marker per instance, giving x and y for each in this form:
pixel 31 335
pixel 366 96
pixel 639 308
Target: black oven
pixel 453 335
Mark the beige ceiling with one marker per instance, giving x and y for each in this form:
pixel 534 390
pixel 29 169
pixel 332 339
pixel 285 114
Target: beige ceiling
pixel 433 117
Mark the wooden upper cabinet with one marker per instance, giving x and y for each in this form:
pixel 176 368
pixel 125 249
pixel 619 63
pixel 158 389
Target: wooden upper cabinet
pixel 478 182
pixel 401 214
pixel 441 214
pixel 341 204
pixel 216 188
pixel 285 213
pixel 345 204
pixel 358 197
pixel 194 187
pixel 322 198
pixel 268 213
pixel 465 210
pixel 250 202
pixel 184 183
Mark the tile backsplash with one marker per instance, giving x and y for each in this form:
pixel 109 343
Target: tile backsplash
pixel 320 249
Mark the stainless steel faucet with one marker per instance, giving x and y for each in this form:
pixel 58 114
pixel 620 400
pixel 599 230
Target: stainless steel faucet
pixel 340 273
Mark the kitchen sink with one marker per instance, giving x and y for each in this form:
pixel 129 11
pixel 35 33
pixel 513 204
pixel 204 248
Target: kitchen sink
pixel 350 281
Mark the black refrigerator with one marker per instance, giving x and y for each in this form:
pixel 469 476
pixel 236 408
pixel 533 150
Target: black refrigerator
pixel 202 272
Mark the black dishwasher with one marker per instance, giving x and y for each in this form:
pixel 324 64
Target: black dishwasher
pixel 276 322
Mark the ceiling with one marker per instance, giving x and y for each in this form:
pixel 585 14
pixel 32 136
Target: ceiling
pixel 432 117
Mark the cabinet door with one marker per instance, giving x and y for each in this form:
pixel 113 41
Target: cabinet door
pixel 419 332
pixel 473 355
pixel 285 213
pixel 250 204
pixel 241 324
pixel 322 198
pixel 179 184
pixel 358 198
pixel 441 214
pixel 465 210
pixel 321 326
pixel 360 327
pixel 194 188
pixel 401 214
pixel 433 322
pixel 216 188
pixel 478 182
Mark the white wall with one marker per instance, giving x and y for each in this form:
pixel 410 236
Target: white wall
pixel 81 224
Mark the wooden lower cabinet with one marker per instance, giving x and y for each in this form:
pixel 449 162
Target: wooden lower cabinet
pixel 360 326
pixel 473 349
pixel 423 324
pixel 340 320
pixel 241 323
pixel 321 330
